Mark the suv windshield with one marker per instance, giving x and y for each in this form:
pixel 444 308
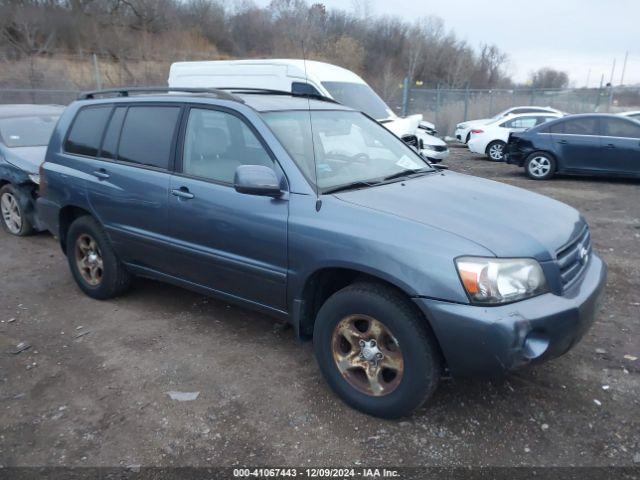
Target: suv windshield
pixel 27 131
pixel 360 97
pixel 349 148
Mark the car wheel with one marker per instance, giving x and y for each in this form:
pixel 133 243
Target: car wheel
pixel 14 219
pixel 376 351
pixel 540 166
pixel 495 150
pixel 92 261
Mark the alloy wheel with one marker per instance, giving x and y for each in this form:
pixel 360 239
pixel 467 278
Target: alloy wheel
pixel 89 260
pixel 539 166
pixel 496 151
pixel 11 214
pixel 367 355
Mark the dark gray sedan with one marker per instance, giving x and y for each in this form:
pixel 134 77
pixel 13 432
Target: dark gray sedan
pixel 588 144
pixel 24 135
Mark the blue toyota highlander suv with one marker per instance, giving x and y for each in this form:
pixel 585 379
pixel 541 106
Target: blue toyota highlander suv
pixel 314 213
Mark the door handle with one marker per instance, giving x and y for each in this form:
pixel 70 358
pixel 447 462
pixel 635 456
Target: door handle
pixel 182 192
pixel 562 142
pixel 610 145
pixel 101 174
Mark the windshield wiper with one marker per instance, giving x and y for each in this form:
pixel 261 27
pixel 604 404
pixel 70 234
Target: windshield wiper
pixel 407 173
pixel 350 186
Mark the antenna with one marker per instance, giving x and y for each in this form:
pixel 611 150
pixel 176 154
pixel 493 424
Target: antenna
pixel 313 144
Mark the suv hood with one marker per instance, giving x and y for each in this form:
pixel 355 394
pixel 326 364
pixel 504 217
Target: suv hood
pixel 508 221
pixel 27 159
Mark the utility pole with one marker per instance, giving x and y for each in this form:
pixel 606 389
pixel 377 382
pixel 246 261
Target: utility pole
pixel 624 68
pixel 586 85
pixel 405 96
pixel 613 69
pixel 96 71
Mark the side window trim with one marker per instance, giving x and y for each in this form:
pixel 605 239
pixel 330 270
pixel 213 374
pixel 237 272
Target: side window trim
pixel 178 167
pixel 104 134
pixel 73 122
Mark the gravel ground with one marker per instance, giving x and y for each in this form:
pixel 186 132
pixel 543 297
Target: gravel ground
pixel 100 399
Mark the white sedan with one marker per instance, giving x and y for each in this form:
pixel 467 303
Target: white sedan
pixel 463 130
pixel 491 139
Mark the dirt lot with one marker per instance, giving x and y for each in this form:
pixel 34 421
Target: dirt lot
pixel 100 399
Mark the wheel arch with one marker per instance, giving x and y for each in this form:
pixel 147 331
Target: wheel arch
pixel 324 282
pixel 66 217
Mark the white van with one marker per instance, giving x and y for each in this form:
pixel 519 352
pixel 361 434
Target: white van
pixel 298 76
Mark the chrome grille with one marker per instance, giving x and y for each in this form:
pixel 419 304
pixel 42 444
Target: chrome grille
pixel 572 259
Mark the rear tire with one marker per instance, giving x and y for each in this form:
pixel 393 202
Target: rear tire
pixel 540 166
pixel 390 377
pixel 495 150
pixel 13 214
pixel 92 261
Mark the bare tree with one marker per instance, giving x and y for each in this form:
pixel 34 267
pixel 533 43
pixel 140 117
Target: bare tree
pixel 549 78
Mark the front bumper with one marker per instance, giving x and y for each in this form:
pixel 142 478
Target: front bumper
pixel 438 156
pixel 461 134
pixel 478 340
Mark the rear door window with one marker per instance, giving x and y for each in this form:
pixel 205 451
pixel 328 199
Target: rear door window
pixel 86 132
pixel 524 122
pixel 615 127
pixel 541 120
pixel 147 135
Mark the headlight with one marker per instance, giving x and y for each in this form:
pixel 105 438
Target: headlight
pixel 500 280
pixel 35 178
pixel 428 147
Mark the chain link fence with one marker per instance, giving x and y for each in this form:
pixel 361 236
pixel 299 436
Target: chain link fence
pixel 448 107
pixel 42 97
pixel 444 107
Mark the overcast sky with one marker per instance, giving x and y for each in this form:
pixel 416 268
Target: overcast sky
pixel 571 35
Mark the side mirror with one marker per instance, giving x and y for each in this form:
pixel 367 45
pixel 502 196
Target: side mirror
pixel 257 180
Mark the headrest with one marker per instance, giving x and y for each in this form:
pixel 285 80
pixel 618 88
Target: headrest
pixel 210 141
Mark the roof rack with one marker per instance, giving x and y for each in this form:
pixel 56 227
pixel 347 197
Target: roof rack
pixel 126 92
pixel 268 91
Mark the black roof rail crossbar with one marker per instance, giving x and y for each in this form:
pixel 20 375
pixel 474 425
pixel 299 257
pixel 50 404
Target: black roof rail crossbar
pixel 269 91
pixel 125 92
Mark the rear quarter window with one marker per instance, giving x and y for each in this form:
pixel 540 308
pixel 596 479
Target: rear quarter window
pixel 87 129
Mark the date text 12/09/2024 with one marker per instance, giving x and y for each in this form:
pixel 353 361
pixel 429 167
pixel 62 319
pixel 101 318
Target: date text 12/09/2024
pixel 315 473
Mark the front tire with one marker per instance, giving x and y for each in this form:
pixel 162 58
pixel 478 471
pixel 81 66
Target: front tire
pixel 12 212
pixel 376 351
pixel 495 150
pixel 92 261
pixel 540 166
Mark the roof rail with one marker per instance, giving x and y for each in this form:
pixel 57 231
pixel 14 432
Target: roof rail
pixel 268 91
pixel 126 92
